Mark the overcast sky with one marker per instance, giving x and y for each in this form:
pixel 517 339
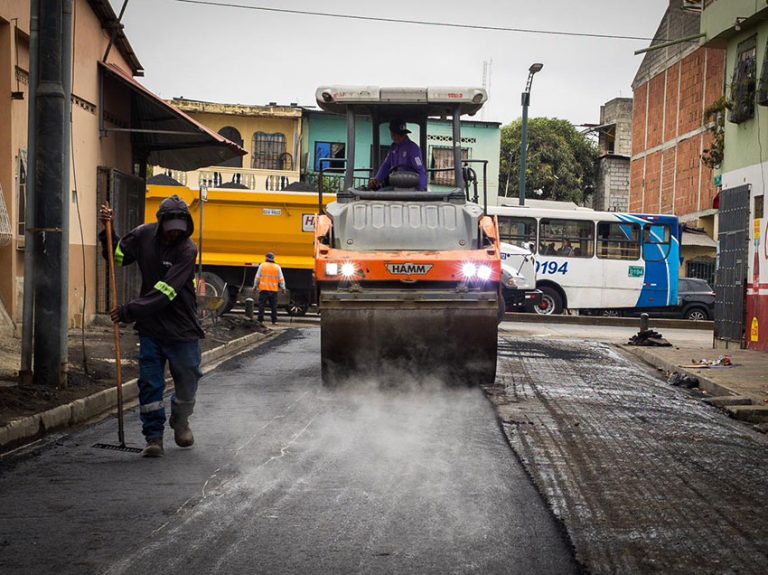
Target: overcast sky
pixel 236 55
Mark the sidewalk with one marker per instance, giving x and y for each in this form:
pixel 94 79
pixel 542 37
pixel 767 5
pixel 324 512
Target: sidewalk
pixel 742 389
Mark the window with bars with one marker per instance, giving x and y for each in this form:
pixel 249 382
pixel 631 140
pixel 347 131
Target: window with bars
pixel 269 151
pixel 702 268
pixel 442 159
pixel 744 82
pixel 762 92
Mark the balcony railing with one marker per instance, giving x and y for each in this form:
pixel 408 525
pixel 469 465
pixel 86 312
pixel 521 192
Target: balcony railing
pixel 252 179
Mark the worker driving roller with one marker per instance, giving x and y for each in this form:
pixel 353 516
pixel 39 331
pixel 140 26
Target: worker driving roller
pixel 404 154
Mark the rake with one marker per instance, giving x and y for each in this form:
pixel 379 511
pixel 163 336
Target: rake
pixel 121 446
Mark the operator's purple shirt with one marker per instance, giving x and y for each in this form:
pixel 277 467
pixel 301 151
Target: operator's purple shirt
pixel 407 153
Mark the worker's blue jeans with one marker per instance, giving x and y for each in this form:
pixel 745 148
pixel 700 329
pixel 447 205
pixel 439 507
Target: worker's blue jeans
pixel 268 298
pixel 183 358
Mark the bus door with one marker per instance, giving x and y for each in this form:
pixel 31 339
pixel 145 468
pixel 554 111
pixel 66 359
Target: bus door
pixel 661 266
pixel 623 270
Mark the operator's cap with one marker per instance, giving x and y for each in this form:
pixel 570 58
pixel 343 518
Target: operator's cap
pixel 270 257
pixel 399 127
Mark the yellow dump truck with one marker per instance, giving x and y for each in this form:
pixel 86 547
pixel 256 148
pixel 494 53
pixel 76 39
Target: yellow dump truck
pixel 240 227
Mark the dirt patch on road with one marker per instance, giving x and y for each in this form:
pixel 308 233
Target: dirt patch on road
pixel 91 366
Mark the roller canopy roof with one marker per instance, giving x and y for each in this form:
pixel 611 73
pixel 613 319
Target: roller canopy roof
pixel 402 102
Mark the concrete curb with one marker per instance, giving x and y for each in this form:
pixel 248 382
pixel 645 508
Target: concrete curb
pixel 27 429
pixel 711 387
pixel 653 323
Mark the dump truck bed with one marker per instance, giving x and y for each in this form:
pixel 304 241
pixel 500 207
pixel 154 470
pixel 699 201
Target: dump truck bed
pixel 241 226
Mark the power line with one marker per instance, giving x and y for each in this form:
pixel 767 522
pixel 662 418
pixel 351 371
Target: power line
pixel 417 22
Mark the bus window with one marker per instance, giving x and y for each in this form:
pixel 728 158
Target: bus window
pixel 618 241
pixel 657 242
pixel 518 231
pixel 566 238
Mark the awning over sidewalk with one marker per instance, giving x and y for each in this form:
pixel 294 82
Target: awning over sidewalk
pixel 169 137
pixel 698 239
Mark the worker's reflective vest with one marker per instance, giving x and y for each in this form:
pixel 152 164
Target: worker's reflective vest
pixel 270 277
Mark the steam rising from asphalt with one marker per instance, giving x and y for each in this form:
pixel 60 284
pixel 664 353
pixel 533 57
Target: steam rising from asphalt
pixel 391 463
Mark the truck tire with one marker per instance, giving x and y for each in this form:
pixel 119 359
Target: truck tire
pixel 551 302
pixel 231 300
pixel 298 305
pixel 210 303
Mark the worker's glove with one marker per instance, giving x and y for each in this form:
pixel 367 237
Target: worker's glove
pixel 374 184
pixel 284 291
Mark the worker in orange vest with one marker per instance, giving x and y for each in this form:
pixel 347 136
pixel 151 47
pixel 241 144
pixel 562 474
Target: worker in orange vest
pixel 269 279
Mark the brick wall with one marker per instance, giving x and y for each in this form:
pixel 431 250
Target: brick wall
pixel 668 135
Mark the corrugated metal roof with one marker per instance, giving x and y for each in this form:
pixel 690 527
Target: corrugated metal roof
pixel 170 137
pixel 698 239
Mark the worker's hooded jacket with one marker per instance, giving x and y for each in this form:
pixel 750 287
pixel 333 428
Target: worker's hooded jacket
pixel 167 305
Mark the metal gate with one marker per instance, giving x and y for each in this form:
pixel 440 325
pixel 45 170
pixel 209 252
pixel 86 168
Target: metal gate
pixel 731 276
pixel 126 194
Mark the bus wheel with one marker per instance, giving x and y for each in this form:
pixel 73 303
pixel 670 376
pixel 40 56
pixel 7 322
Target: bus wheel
pixel 551 302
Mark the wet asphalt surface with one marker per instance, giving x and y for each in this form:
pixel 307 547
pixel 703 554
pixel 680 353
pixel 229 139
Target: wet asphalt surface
pixel 646 478
pixel 287 477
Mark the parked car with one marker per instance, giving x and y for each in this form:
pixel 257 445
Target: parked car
pixel 696 301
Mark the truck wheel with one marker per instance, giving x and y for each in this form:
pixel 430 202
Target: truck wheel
pixel 212 296
pixel 298 305
pixel 551 302
pixel 231 299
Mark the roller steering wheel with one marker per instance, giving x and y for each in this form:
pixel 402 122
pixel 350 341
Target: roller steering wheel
pixel 408 168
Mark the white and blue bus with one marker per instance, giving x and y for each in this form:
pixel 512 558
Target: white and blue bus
pixel 597 261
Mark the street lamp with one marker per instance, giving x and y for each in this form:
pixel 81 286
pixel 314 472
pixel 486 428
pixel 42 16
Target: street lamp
pixel 526 100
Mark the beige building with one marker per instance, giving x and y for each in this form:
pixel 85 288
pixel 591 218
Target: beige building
pixel 271 135
pixel 118 127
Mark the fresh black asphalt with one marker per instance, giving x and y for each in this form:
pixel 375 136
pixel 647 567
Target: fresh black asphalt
pixel 287 477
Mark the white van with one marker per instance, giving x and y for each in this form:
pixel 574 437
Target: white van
pixel 518 266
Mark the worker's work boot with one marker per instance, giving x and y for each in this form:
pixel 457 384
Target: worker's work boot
pixel 181 432
pixel 154 448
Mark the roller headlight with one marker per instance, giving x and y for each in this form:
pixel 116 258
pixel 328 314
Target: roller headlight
pixel 469 270
pixel 484 273
pixel 331 269
pixel 347 269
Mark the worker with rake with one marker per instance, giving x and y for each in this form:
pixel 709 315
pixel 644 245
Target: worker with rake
pixel 165 314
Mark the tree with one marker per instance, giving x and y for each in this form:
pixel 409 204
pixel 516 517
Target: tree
pixel 561 161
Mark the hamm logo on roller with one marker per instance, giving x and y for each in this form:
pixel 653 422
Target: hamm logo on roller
pixel 409 269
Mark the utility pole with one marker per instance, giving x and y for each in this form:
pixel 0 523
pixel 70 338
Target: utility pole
pixel 50 127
